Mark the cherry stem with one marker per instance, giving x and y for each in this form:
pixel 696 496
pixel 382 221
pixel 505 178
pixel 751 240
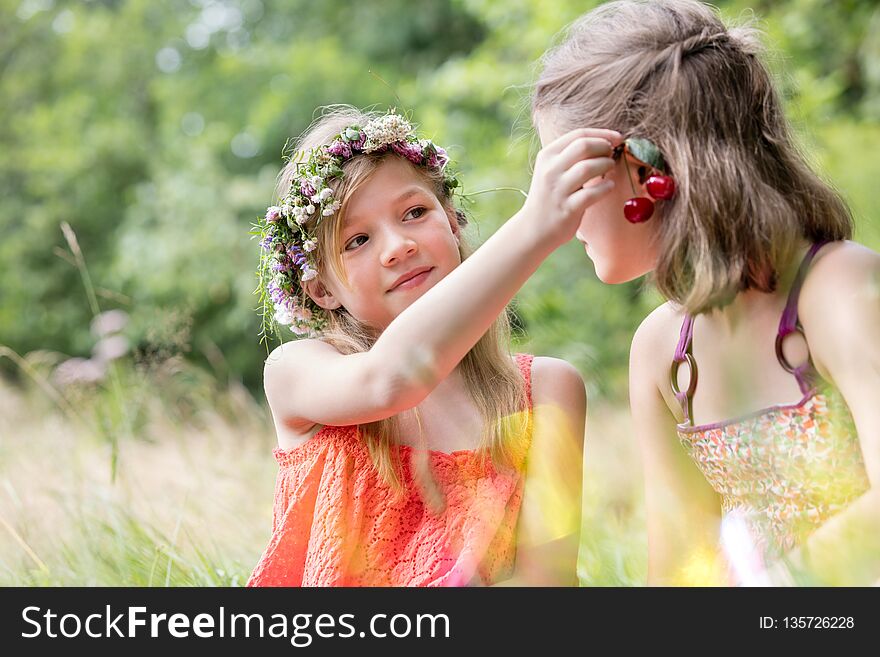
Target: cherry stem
pixel 629 174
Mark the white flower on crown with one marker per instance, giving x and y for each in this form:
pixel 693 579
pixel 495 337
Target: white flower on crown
pixel 386 130
pixel 309 273
pixel 330 209
pixel 325 194
pixel 310 209
pixel 310 245
pixel 283 315
pixel 299 215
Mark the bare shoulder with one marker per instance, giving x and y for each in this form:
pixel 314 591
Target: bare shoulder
pixel 284 373
pixel 654 342
pixel 842 287
pixel 297 348
pixel 839 304
pixel 286 367
pixel 556 381
pixel 840 271
pixel 294 353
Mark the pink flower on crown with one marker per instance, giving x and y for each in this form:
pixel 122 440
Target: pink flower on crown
pixel 307 188
pixel 273 213
pixel 411 151
pixel 283 315
pixel 438 159
pixel 339 149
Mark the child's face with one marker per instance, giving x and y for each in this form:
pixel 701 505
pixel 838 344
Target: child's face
pixel 397 242
pixel 620 251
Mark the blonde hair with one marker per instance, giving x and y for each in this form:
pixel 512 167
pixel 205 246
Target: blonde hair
pixel 490 375
pixel 672 72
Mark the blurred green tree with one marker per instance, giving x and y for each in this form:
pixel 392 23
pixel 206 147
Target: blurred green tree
pixel 156 130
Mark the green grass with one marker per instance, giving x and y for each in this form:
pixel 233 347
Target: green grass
pixel 190 504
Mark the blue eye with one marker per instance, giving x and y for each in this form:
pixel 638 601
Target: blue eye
pixel 355 242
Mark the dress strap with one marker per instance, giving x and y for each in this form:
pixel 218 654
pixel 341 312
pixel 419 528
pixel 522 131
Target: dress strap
pixel 805 373
pixel 683 353
pixel 524 363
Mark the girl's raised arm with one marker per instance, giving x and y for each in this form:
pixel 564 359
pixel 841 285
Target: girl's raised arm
pixel 309 383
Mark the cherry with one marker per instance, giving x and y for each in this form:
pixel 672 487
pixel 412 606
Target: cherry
pixel 660 187
pixel 637 210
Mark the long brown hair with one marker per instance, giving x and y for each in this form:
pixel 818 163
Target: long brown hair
pixel 490 375
pixel 672 72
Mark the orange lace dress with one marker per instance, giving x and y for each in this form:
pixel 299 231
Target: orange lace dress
pixel 335 523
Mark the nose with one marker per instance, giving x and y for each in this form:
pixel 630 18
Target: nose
pixel 397 246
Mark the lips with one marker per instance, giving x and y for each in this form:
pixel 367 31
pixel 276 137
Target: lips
pixel 417 273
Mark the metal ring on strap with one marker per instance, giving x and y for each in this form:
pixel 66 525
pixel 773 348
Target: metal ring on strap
pixel 780 356
pixel 673 374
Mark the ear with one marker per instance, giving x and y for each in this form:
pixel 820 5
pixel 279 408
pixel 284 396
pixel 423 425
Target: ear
pixel 321 295
pixel 455 222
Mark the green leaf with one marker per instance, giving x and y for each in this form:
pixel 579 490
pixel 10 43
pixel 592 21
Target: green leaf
pixel 646 151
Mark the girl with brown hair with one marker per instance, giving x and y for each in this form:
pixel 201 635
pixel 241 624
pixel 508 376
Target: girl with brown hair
pixel 765 293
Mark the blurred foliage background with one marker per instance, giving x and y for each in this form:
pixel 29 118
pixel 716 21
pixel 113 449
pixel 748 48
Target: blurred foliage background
pixel 155 130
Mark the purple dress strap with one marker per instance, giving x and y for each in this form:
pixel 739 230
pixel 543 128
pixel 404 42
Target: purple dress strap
pixel 805 373
pixel 684 338
pixel 683 353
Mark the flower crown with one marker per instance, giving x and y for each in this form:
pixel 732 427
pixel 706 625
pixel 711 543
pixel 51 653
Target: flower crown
pixel 288 231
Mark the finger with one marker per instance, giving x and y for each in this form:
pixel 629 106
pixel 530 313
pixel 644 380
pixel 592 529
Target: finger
pixel 582 149
pixel 559 144
pixel 586 196
pixel 582 172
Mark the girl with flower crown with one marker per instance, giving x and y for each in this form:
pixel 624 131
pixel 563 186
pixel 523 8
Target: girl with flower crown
pixel 765 293
pixel 412 448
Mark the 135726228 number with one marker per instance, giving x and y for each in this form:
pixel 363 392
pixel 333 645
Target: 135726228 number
pixel 818 622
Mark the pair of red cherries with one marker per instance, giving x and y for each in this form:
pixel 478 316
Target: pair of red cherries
pixel 639 209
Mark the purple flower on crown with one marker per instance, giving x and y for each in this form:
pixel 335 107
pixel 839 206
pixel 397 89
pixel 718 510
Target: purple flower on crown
pixel 273 213
pixel 266 243
pixel 409 150
pixel 275 292
pixel 339 149
pixel 438 158
pixel 282 264
pixel 307 188
pixel 296 254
